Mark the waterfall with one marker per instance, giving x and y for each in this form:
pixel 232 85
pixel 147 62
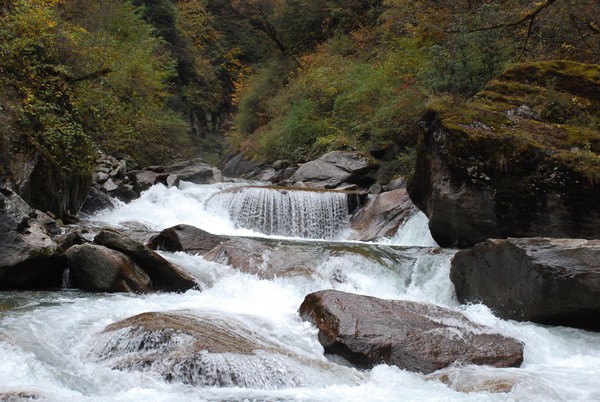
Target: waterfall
pixel 66 278
pixel 285 212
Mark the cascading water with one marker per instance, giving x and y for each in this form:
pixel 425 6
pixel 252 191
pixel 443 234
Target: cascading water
pixel 285 212
pixel 414 232
pixel 54 345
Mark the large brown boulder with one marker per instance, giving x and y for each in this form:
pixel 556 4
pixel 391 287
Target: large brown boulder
pixel 29 256
pixel 414 336
pixel 549 281
pixel 514 161
pixel 164 275
pixel 185 238
pixel 205 349
pixel 100 269
pixel 382 215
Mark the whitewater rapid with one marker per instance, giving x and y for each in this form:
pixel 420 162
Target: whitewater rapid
pixel 45 337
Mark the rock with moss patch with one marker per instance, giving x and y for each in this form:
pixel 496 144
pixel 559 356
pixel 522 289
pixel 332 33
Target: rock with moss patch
pixel 485 171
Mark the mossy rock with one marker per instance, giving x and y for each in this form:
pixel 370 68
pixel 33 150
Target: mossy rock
pixel 506 159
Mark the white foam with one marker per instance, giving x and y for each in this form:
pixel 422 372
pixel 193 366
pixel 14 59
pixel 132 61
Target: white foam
pixel 45 337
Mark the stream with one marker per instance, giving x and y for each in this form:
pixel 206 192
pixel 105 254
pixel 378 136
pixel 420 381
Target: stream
pixel 46 337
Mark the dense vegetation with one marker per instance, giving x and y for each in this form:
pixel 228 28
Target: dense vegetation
pixel 158 79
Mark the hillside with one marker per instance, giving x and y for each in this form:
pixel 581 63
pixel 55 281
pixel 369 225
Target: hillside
pixel 156 80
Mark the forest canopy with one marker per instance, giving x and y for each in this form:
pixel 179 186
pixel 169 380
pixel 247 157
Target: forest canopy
pixel 277 79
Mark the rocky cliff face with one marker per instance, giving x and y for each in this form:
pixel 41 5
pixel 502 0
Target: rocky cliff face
pixel 521 159
pixel 43 184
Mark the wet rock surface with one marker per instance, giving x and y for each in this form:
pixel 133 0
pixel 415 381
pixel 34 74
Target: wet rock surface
pixel 100 269
pixel 485 170
pixel 278 258
pixel 201 349
pixel 382 215
pixel 185 238
pixel 122 179
pixel 548 281
pixel 29 256
pixel 335 169
pixel 20 396
pixel 164 275
pixel 417 337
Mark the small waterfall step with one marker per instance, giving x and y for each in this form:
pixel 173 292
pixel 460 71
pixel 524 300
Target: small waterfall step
pixel 282 211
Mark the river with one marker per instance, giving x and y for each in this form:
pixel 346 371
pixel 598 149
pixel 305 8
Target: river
pixel 46 337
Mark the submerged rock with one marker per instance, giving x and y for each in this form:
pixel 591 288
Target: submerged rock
pixel 100 269
pixel 548 281
pixel 464 380
pixel 382 215
pixel 29 257
pixel 20 396
pixel 263 259
pixel 484 171
pixel 164 275
pixel 203 349
pixel 279 258
pixel 414 336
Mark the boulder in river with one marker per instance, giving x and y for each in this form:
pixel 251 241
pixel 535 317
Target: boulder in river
pixel 100 269
pixel 29 257
pixel 164 275
pixel 368 331
pixel 544 280
pixel 236 165
pixel 194 171
pixel 269 258
pixel 205 349
pixel 382 215
pixel 95 201
pixel 185 238
pixel 336 168
pixel 485 169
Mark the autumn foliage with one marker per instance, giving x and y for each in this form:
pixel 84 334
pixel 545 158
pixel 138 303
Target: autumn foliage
pixel 160 79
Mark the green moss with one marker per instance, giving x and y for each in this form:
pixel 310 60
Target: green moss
pixel 45 252
pixel 488 134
